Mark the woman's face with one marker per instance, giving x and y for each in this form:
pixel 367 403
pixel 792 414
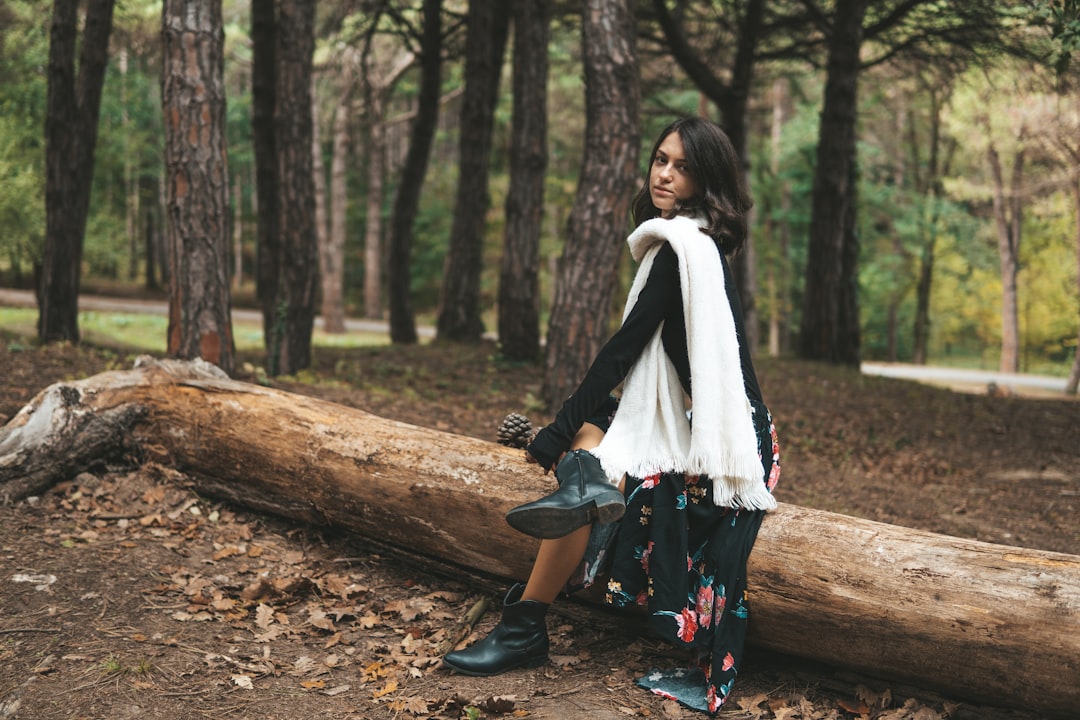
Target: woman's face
pixel 669 180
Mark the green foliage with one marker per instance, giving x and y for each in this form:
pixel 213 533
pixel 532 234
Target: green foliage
pixel 24 51
pixel 1061 20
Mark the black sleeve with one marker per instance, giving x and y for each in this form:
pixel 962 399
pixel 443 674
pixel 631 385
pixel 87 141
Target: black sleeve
pixel 659 298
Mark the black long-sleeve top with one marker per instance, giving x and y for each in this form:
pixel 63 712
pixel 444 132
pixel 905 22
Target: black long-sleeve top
pixel 660 301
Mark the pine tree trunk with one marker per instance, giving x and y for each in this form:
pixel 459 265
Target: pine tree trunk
pixel 1074 374
pixel 319 190
pixel 197 185
pixel 519 275
pixel 485 45
pixel 264 60
pixel 293 130
pixel 735 119
pixel 71 122
pixel 407 201
pixel 333 281
pixel 373 232
pixel 600 217
pixel 823 329
pixel 238 233
pixel 1008 215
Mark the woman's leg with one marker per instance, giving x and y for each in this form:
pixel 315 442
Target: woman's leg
pixel 557 559
pixel 520 639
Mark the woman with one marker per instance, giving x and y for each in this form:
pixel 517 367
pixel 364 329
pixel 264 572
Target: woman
pixel 693 483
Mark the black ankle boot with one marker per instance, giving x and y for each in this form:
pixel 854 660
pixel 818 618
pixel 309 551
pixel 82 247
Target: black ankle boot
pixel 584 496
pixel 519 640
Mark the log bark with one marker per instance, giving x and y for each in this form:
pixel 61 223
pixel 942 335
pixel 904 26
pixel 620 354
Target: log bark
pixel 976 621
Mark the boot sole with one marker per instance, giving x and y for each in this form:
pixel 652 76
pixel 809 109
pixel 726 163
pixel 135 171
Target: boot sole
pixel 526 664
pixel 548 523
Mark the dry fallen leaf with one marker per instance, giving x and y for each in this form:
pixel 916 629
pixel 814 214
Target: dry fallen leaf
pixel 264 615
pixel 313 684
pixel 243 681
pixel 389 687
pixel 853 706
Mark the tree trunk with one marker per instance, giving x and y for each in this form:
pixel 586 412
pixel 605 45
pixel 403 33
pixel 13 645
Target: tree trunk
pixel 263 101
pixel 373 232
pixel 407 201
pixel 333 253
pixel 901 604
pixel 824 333
pixel 930 188
pixel 152 242
pixel 1008 216
pixel 379 80
pixel 197 183
pixel 293 129
pixel 779 233
pixel 1074 374
pixel 519 275
pixel 601 213
pixel 485 45
pixel 71 123
pixel 319 190
pixel 238 233
pixel 734 112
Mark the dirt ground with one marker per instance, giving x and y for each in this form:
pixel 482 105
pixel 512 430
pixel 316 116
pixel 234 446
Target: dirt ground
pixel 123 594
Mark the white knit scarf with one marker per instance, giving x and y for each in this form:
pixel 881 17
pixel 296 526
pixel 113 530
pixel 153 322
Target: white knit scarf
pixel 651 432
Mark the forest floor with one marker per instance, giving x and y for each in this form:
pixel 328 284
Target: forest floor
pixel 123 594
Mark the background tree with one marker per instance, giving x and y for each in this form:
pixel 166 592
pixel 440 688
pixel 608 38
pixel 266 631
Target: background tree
pixel 71 125
pixel 731 95
pixel 264 62
pixel 290 345
pixel 519 277
pixel 384 61
pixel 823 334
pixel 193 101
pixel 402 316
pixel 1008 218
pixel 587 271
pixel 485 45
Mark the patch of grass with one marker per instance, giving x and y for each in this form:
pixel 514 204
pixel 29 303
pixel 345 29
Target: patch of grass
pixel 145 332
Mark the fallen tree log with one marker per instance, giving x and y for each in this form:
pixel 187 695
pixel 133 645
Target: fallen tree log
pixel 980 622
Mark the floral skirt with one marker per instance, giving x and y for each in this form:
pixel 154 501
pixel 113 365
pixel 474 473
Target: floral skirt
pixel 684 558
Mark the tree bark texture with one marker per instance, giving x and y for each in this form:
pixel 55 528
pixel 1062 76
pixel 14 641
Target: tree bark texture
pixel 263 101
pixel 1072 383
pixel 519 272
pixel 978 621
pixel 382 68
pixel 1008 216
pixel 929 186
pixel 407 200
pixel 373 217
pixel 823 332
pixel 71 121
pixel 197 182
pixel 600 216
pixel 459 297
pixel 319 191
pixel 333 252
pixel 290 346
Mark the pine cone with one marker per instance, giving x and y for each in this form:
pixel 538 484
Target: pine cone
pixel 515 431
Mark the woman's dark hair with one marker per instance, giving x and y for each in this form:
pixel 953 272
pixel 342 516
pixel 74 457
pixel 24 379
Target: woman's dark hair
pixel 714 166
